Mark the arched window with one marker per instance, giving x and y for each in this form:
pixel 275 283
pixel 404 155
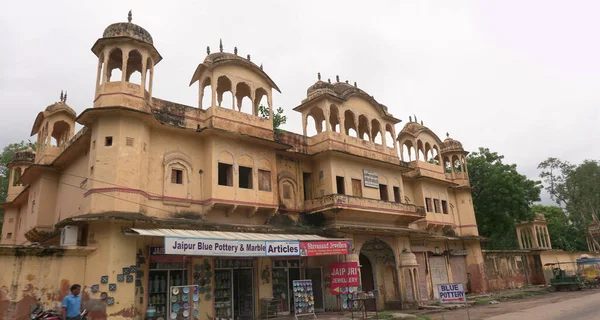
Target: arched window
pixel 134 67
pixel 456 163
pixel 60 133
pixel 376 131
pixel 16 175
pixel 261 102
pixel 318 117
pixel 420 150
pixel 244 98
pixel 350 124
pixel 206 91
pixel 177 177
pixel 149 73
pixel 447 165
pixel 334 118
pixel 389 136
pixel 115 65
pixel 224 92
pixel 363 128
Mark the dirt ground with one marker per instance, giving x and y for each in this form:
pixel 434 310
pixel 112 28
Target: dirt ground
pixel 487 311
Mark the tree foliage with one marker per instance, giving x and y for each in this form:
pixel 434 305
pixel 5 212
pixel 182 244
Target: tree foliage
pixel 278 118
pixel 5 157
pixel 565 234
pixel 501 195
pixel 574 187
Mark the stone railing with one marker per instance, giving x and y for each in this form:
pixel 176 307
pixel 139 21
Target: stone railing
pixel 341 201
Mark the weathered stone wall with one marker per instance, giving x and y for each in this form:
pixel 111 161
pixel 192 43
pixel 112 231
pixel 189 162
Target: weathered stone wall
pixel 509 269
pixel 29 274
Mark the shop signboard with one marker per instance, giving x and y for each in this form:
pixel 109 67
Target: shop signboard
pixel 343 275
pixel 324 248
pixel 157 250
pixel 230 248
pixel 452 293
pixel 370 178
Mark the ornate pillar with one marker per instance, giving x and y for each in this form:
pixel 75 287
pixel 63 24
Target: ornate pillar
pixel 520 239
pixel 304 123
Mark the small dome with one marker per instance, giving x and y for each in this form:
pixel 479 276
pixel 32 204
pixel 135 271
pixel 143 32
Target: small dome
pixel 413 128
pixel 450 145
pixel 127 29
pixel 408 259
pixel 319 85
pixel 26 155
pixel 60 106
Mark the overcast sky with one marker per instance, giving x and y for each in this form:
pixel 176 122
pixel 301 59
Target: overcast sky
pixel 519 77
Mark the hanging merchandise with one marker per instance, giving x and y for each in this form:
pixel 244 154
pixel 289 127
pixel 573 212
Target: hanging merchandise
pixel 304 298
pixel 179 306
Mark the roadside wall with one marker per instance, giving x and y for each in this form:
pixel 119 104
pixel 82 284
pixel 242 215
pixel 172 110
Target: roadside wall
pixel 29 274
pixel 509 269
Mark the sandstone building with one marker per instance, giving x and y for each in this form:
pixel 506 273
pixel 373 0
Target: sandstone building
pixel 113 199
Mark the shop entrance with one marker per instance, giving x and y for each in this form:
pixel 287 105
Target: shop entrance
pixel 234 289
pixel 284 273
pixel 244 299
pixel 315 274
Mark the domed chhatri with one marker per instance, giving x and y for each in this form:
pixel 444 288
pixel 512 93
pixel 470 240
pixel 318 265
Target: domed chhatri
pixel 127 29
pixel 450 145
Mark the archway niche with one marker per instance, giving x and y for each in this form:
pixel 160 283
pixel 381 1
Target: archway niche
pixel 377 254
pixel 206 91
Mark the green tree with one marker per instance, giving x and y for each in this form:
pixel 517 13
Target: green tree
pixel 501 195
pixel 576 188
pixel 564 233
pixel 5 157
pixel 279 118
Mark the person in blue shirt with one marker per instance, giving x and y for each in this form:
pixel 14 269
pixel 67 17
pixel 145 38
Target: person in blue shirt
pixel 71 304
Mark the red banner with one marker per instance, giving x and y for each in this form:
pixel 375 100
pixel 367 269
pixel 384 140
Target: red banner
pixel 343 275
pixel 324 248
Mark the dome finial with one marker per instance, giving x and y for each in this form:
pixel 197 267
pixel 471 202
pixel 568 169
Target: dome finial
pixel 421 122
pixel 129 16
pixel 346 81
pixel 235 50
pixel 409 118
pixel 221 45
pixel 328 80
pixel 337 78
pixel 65 98
pixel 248 57
pixel 319 76
pixel 261 67
pixel 355 84
pixel 447 135
pixel 61 96
pixel 207 49
pixel 416 118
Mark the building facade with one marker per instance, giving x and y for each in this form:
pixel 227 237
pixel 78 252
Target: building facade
pixel 144 170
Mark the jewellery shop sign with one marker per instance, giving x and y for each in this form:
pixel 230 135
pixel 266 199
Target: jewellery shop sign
pixel 230 248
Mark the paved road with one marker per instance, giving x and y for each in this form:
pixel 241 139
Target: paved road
pixel 578 305
pixel 582 308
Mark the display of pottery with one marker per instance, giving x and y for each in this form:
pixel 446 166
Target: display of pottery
pixel 303 296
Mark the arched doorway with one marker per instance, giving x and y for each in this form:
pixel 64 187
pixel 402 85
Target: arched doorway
pixel 379 272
